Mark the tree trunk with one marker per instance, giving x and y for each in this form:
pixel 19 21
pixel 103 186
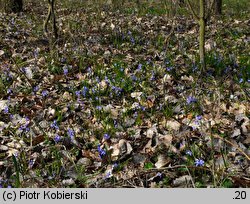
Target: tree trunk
pixel 13 6
pixel 117 4
pixel 202 35
pixel 139 4
pixel 51 16
pixel 218 7
pixel 181 2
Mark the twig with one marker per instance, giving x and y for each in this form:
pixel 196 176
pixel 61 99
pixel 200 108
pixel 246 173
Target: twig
pixel 19 69
pixel 170 33
pixel 212 146
pixel 209 13
pixel 190 177
pixel 178 166
pixel 192 11
pixel 239 149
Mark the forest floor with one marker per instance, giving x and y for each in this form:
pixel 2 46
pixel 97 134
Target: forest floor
pixel 119 101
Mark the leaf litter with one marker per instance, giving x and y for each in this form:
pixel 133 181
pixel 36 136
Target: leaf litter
pixel 111 106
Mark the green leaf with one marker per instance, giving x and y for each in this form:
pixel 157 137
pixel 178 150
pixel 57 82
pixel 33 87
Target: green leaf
pixel 149 165
pixel 17 171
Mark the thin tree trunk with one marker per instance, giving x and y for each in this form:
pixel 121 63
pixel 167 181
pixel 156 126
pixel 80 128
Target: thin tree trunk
pixel 51 16
pixel 218 7
pixel 54 19
pixel 181 2
pixel 202 35
pixel 13 6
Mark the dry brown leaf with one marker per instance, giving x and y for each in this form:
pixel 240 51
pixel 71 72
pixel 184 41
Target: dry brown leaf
pixel 165 140
pixel 163 160
pixel 173 125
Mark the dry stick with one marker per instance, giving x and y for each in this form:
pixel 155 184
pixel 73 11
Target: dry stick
pixel 192 11
pixel 212 146
pixel 51 15
pixel 45 25
pixel 19 69
pixel 223 157
pixel 190 177
pixel 239 149
pixel 179 166
pixel 54 19
pixel 170 33
pixel 209 13
pixel 246 92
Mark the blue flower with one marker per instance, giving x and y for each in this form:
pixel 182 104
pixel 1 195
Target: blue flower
pixel 115 123
pixel 78 93
pixel 134 78
pixel 45 93
pixel 199 162
pixel 169 68
pixel 106 79
pixel 71 133
pixel 152 78
pixel 63 59
pixel 102 152
pixel 27 120
pixel 198 117
pixel 36 88
pixel 22 127
pixel 9 91
pixel 159 174
pixel 89 70
pixel 114 166
pixel 135 114
pixel 6 109
pixel 85 91
pixel 195 68
pixel 65 71
pixel 132 40
pixel 31 163
pixel 139 68
pixel 57 138
pixel 36 53
pixel 93 90
pixel 97 79
pixel 54 125
pixel 108 175
pixel 117 90
pixel 98 108
pixel 25 126
pixel 143 108
pixel 191 99
pixel 189 153
pixel 106 136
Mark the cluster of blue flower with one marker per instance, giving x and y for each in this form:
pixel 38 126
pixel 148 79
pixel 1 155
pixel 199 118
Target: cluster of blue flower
pixel 197 162
pixel 101 151
pixel 57 138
